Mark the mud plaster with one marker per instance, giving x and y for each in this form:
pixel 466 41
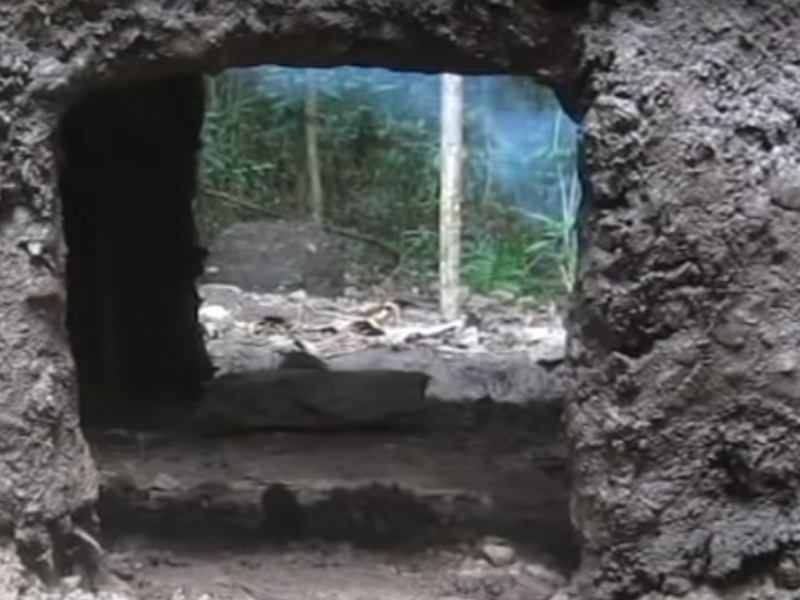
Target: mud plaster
pixel 52 53
pixel 685 427
pixel 685 422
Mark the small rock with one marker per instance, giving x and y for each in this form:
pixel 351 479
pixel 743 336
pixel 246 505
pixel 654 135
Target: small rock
pixel 214 312
pixel 123 571
pixel 785 363
pixel 165 483
pixel 229 296
pixel 785 191
pixel 498 553
pixel 529 590
pixel 298 296
pixel 215 318
pixel 544 574
pixel 787 574
pixel 732 335
pixel 502 296
pixel 171 560
pixel 469 338
pixel 71 583
pixel 473 583
pixel 676 586
pixel 475 565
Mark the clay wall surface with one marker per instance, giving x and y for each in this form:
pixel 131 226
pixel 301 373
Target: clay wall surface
pixel 685 420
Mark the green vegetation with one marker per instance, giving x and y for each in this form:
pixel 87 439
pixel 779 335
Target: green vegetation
pixel 379 155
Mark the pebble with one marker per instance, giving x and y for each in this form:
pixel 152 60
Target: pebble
pixel 498 553
pixel 785 191
pixel 543 573
pixel 214 312
pixel 165 483
pixel 787 574
pixel 676 586
pixel 70 583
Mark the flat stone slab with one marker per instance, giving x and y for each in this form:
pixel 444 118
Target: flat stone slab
pixel 512 377
pixel 313 399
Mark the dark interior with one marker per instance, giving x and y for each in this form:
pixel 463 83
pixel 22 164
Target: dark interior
pixel 127 183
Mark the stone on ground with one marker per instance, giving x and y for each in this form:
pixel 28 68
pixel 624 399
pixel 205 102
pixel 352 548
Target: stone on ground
pixel 277 255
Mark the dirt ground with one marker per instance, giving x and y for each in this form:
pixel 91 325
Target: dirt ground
pixel 475 511
pixel 333 573
pixel 322 572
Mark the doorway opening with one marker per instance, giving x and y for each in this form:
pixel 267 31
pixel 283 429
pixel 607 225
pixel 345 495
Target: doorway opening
pixel 226 415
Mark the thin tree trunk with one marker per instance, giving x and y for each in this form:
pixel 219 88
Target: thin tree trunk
pixel 452 152
pixel 316 200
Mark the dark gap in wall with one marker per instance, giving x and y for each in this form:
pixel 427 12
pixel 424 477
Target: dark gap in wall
pixel 127 182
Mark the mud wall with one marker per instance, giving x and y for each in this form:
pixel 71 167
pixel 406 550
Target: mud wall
pixel 684 424
pixel 685 428
pixel 127 181
pixel 47 478
pixel 51 57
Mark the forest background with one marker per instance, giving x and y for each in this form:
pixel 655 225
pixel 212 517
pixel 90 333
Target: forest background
pixel 359 150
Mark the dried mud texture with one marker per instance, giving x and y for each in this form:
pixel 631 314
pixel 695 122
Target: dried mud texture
pixel 46 473
pixel 50 54
pixel 686 429
pixel 87 42
pixel 685 425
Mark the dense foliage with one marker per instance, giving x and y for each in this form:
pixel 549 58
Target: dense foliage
pixel 379 156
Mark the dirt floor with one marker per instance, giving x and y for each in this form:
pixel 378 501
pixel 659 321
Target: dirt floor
pixel 323 572
pixel 468 502
pixel 476 509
